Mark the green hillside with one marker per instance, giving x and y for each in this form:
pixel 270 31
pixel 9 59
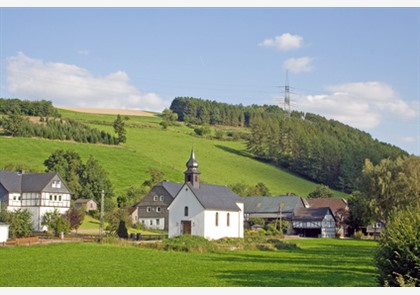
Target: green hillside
pixel 221 162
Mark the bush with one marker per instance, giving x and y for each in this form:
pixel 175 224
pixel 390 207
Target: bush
pixel 188 243
pixel 358 235
pixel 398 254
pixel 20 222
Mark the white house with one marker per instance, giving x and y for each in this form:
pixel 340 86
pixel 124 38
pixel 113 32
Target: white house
pixel 206 210
pixel 39 193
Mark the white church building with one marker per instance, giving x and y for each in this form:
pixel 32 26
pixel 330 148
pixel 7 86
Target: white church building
pixel 206 210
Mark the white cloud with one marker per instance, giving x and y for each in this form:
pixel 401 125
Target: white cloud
pixel 298 65
pixel 70 85
pixel 361 105
pixel 284 42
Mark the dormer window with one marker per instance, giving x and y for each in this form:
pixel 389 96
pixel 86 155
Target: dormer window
pixel 155 198
pixel 56 183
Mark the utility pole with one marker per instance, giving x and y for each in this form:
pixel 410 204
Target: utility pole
pixel 281 226
pixel 101 225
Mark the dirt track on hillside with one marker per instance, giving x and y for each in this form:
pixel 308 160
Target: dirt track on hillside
pixel 109 111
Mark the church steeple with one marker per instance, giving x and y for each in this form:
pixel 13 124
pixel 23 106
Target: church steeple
pixel 192 175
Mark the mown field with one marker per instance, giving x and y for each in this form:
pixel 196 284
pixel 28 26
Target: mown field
pixel 221 162
pixel 316 263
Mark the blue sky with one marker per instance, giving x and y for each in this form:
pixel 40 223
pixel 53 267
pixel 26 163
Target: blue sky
pixel 358 65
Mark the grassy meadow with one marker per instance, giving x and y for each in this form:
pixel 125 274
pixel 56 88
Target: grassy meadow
pixel 221 162
pixel 315 263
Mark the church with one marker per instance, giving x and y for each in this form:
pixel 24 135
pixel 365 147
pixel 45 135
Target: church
pixel 207 210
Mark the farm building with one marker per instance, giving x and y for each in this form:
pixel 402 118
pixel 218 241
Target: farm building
pixel 339 208
pixel 88 204
pixel 271 209
pixel 314 222
pixel 39 193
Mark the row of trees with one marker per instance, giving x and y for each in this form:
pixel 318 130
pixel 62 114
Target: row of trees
pixel 17 125
pixel 389 192
pixel 199 111
pixel 42 108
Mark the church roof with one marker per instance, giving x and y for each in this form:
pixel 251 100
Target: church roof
pixel 192 162
pixel 216 197
pixel 171 187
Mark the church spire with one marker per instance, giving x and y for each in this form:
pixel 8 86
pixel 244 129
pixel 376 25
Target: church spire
pixel 192 175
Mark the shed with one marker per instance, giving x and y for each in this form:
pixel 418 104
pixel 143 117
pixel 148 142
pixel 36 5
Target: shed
pixel 4 232
pixel 90 205
pixel 314 222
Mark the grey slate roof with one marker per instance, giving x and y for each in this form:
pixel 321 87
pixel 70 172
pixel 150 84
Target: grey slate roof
pixel 172 187
pixel 26 182
pixel 272 204
pixel 216 197
pixel 311 214
pixel 11 181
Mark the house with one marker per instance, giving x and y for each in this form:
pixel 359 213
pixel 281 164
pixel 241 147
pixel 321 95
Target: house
pixel 272 208
pixel 153 208
pixel 314 222
pixel 39 193
pixel 133 212
pixel 339 208
pixel 88 204
pixel 206 210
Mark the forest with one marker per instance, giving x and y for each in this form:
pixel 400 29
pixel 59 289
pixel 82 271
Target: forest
pixel 309 145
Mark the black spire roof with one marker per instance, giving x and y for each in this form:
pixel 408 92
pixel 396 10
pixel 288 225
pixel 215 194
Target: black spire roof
pixel 192 162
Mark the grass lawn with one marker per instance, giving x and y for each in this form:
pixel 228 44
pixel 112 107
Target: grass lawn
pixel 317 263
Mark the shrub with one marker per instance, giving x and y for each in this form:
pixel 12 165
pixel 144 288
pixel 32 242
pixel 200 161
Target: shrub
pixel 358 235
pixel 398 254
pixel 188 243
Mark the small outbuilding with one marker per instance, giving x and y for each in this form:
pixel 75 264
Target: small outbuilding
pixel 314 222
pixel 4 232
pixel 89 204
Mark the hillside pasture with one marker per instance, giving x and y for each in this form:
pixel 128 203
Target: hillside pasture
pixel 222 162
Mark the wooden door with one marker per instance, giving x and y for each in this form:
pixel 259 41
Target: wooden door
pixel 186 227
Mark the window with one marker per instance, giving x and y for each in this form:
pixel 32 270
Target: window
pixel 151 222
pixel 186 211
pixel 148 209
pixel 51 197
pixel 155 198
pixel 59 197
pixel 158 209
pixel 161 198
pixel 228 219
pixel 55 197
pixel 157 221
pixel 217 218
pixel 56 183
